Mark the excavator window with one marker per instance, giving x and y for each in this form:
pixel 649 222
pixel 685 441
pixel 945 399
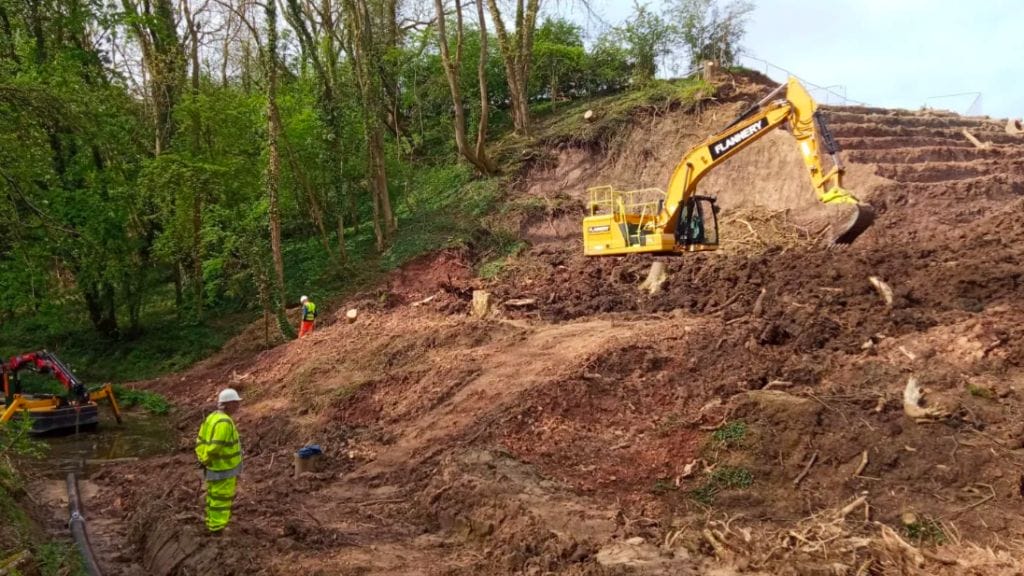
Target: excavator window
pixel 698 222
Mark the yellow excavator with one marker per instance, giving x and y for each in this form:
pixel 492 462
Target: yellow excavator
pixel 678 220
pixel 74 410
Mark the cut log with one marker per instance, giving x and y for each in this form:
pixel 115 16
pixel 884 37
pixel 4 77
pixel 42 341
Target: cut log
pixel 351 315
pixel 519 302
pixel 589 116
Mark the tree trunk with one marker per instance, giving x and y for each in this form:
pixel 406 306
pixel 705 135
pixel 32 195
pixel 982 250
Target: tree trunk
pixel 197 193
pixel 452 71
pixel 364 54
pixel 318 46
pixel 274 167
pixel 485 104
pixel 99 300
pixel 517 53
pixel 156 31
pixel 312 201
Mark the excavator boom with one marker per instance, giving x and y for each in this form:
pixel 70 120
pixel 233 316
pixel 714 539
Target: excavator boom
pixel 77 409
pixel 678 220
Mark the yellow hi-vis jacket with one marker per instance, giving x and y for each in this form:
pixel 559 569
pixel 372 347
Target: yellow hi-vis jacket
pixel 218 447
pixel 309 311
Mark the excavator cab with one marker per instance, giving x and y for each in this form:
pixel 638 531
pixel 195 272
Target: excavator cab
pixel 697 228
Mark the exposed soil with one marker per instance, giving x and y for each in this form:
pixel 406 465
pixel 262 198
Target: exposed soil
pixel 719 427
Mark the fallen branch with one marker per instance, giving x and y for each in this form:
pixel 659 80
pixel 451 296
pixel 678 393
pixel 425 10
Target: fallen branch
pixel 519 302
pixel 883 290
pixel 424 301
pixel 889 536
pixel 807 468
pixel 850 507
pixel 863 463
pixel 720 550
pixel 978 503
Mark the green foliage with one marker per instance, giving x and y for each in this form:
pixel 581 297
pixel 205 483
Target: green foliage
pixel 59 558
pixel 559 60
pixel 51 557
pixel 709 29
pixel 147 400
pixel 663 486
pixel 980 391
pixel 16 440
pixel 721 478
pixel 647 38
pixel 163 344
pixel 730 434
pixel 616 112
pixel 731 477
pixel 441 207
pixel 926 531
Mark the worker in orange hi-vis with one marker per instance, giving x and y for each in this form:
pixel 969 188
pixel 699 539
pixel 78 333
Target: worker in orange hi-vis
pixel 308 316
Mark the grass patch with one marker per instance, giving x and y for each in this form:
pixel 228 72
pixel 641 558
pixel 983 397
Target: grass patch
pixel 925 531
pixel 663 485
pixel 615 112
pixel 980 392
pixel 731 477
pixel 730 434
pixel 721 478
pixel 149 401
pixel 59 558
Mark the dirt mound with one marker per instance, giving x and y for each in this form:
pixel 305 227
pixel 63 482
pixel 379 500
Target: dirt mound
pixel 750 419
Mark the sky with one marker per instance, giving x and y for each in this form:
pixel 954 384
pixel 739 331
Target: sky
pixel 889 53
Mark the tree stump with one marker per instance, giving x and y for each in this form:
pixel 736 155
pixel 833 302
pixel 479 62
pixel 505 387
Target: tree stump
pixel 656 276
pixel 481 303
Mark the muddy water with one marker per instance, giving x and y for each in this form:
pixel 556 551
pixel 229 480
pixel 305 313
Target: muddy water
pixel 139 436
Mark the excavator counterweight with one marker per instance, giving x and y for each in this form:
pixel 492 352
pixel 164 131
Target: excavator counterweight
pixel 678 220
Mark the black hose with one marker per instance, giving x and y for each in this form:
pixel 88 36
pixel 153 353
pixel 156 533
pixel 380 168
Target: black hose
pixel 77 525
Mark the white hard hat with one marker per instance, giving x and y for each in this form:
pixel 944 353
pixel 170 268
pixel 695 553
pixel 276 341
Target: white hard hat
pixel 303 299
pixel 228 395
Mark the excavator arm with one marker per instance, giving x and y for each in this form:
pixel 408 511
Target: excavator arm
pixel 14 401
pixel 45 363
pixel 680 221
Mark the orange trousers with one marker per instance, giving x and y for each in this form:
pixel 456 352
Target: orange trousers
pixel 305 328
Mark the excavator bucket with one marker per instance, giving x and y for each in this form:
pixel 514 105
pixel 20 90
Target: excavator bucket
pixel 861 217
